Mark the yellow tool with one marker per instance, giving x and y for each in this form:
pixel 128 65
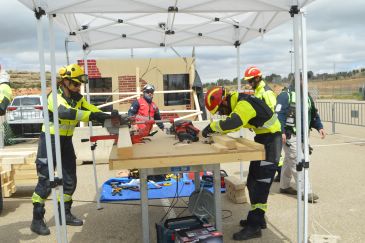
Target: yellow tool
pixel 165 184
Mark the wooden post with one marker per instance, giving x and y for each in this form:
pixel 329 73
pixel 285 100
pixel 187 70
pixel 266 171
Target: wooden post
pixel 138 87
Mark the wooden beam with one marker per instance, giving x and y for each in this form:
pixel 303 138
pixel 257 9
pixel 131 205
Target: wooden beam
pixel 124 146
pixel 226 141
pixel 157 162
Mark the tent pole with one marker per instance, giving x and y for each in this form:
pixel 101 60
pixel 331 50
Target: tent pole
pixel 98 205
pixel 46 124
pixel 237 45
pixel 298 116
pixel 56 125
pixel 305 121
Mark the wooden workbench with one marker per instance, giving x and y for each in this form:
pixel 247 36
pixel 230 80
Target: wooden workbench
pixel 162 151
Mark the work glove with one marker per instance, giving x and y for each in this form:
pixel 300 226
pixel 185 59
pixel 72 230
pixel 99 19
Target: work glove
pixel 99 116
pixel 206 131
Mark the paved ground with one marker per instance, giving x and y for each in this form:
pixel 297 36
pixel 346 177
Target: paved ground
pixel 337 176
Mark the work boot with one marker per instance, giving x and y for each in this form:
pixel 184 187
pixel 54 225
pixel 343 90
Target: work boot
pixel 289 190
pixel 312 197
pixel 247 233
pixel 70 218
pixel 38 225
pixel 243 223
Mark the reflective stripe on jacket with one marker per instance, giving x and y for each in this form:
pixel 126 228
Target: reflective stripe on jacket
pixel 292 100
pixel 285 98
pixel 265 93
pixel 247 112
pixel 70 112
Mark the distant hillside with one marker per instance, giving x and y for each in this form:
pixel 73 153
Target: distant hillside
pixel 25 83
pixel 29 83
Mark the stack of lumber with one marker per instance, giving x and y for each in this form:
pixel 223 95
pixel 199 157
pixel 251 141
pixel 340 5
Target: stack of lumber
pixel 7 182
pixel 21 164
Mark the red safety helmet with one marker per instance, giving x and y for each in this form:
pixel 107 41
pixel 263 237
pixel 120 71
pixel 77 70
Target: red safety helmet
pixel 214 98
pixel 252 72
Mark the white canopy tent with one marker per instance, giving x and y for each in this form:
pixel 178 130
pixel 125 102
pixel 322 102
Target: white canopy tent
pixel 125 24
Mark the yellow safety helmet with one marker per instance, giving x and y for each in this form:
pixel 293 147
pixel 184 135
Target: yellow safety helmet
pixel 73 72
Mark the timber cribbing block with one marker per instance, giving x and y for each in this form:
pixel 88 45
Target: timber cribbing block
pixel 226 141
pixel 235 189
pixel 7 183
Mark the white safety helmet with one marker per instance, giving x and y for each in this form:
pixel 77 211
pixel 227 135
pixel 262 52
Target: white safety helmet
pixel 148 88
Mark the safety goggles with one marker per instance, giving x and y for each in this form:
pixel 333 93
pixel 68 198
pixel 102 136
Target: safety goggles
pixel 149 91
pixel 81 79
pixel 75 84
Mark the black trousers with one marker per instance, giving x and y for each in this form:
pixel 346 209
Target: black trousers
pixel 261 174
pixel 68 158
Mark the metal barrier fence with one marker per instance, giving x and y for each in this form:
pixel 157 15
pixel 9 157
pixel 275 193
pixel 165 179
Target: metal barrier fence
pixel 349 113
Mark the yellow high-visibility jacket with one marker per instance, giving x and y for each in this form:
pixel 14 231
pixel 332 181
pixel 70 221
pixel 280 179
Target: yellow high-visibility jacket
pixel 6 96
pixel 248 112
pixel 265 93
pixel 70 112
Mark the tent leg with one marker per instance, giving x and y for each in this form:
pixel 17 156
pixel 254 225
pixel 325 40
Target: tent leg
pixel 144 205
pixel 98 205
pixel 297 51
pixel 305 121
pixel 56 128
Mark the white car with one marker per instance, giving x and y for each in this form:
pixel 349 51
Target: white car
pixel 25 115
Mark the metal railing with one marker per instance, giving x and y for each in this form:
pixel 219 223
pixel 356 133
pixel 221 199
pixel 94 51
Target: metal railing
pixel 349 113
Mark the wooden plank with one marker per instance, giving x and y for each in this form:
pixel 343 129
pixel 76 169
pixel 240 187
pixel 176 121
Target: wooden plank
pixel 162 151
pixel 219 147
pixel 30 160
pixel 157 162
pixel 124 147
pixel 12 160
pixel 25 167
pixel 5 176
pixel 6 167
pixel 26 182
pixel 226 141
pixel 8 189
pixel 4 154
pixel 250 144
pixel 25 174
pixel 242 147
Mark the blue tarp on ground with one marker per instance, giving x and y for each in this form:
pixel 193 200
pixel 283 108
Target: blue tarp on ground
pixel 179 189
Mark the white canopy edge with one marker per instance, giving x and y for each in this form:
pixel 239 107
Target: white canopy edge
pixel 125 24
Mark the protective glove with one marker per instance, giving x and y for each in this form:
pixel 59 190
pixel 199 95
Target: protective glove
pixel 206 131
pixel 99 116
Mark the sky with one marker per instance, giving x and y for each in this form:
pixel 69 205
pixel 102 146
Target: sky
pixel 335 39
